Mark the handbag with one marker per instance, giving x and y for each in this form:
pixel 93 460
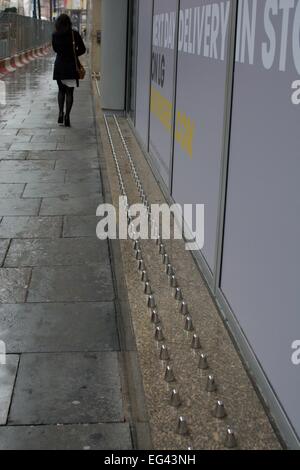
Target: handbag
pixel 79 67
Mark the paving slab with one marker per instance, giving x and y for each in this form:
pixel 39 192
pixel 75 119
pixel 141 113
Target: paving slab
pixel 11 190
pixel 5 146
pixel 8 373
pixel 63 327
pixel 34 146
pixel 83 176
pixel 11 132
pixel 12 124
pixel 73 132
pixel 48 138
pixel 82 154
pixel 50 190
pixel 79 226
pixel 25 165
pixel 29 122
pixel 34 131
pixel 70 206
pixel 107 436
pixel 8 155
pixel 17 139
pixel 14 285
pixel 76 139
pixel 3 249
pixel 57 252
pixel 36 176
pixel 72 284
pixel 13 206
pixel 77 164
pixel 78 146
pixel 31 227
pixel 67 388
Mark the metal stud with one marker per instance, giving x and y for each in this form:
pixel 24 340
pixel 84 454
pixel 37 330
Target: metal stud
pixel 196 342
pixel 164 353
pixel 188 326
pixel 211 385
pixel 219 411
pixel 162 249
pixel 136 245
pixel 151 301
pixel 203 362
pixel 155 317
pixel 139 255
pixel 147 290
pixel 184 310
pixel 230 440
pixel 169 375
pixel 141 265
pixel 145 276
pixel 175 400
pixel 159 335
pixel 173 281
pixel 182 427
pixel 169 270
pixel 178 294
pixel 166 259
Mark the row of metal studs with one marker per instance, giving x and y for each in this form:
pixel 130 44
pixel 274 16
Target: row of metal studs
pixel 219 411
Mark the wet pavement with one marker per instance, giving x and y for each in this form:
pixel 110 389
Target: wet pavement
pixel 61 385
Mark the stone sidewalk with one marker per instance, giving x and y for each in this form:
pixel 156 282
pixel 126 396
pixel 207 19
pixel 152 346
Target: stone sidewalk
pixel 61 386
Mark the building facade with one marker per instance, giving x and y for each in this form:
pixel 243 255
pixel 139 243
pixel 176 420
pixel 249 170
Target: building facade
pixel 19 4
pixel 211 89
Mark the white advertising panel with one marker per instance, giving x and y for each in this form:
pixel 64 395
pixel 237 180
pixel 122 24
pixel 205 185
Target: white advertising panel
pixel 261 258
pixel 144 69
pixel 202 53
pixel 162 84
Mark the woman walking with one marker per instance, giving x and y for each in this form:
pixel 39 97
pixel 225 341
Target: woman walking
pixel 68 46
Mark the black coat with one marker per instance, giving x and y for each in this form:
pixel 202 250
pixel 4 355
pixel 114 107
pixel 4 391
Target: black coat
pixel 65 66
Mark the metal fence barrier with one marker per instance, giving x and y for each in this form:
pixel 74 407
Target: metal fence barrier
pixel 20 33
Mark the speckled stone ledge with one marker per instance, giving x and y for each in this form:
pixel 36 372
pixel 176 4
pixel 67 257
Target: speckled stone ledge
pixel 245 413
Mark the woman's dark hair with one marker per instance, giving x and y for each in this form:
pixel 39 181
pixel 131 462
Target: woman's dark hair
pixel 63 24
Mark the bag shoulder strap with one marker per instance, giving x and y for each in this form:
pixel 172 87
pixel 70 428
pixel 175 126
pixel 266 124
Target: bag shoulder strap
pixel 74 51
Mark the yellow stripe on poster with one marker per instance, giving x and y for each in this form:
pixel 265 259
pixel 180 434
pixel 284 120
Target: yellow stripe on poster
pixel 161 108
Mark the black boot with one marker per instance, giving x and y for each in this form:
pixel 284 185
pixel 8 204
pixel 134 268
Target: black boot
pixel 61 118
pixel 67 121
